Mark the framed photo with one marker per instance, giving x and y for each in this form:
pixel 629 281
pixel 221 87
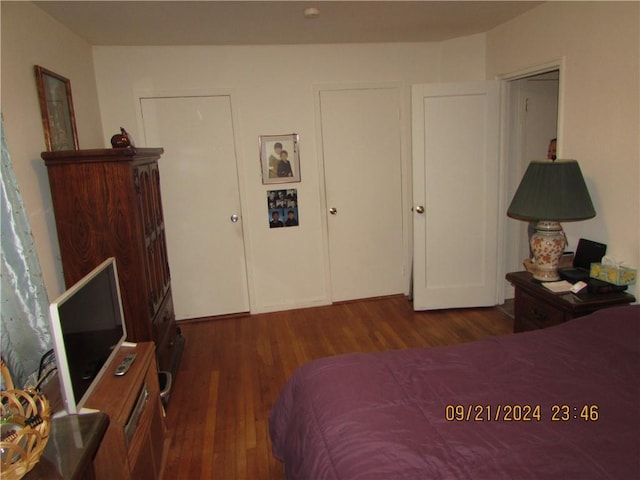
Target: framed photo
pixel 280 158
pixel 283 208
pixel 56 107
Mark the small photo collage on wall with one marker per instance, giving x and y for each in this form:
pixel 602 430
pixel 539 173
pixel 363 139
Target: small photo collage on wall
pixel 283 208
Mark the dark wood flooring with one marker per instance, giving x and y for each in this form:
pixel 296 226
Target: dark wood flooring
pixel 233 369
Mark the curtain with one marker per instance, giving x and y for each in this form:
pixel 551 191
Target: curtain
pixel 24 322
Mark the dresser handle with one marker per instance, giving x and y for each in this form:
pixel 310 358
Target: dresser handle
pixel 540 316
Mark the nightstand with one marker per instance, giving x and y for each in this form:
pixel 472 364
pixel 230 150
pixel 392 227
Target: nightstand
pixel 537 307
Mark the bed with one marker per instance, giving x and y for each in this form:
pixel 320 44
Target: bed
pixel 560 403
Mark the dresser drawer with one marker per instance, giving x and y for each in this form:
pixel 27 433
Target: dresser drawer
pixel 533 313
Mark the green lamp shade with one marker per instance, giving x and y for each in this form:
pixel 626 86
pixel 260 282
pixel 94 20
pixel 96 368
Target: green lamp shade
pixel 553 191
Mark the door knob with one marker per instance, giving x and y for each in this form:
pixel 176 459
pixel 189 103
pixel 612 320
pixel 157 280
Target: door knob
pixel 420 209
pixel 234 218
pixel 333 211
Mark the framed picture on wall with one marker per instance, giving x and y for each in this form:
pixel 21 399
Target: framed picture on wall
pixel 56 107
pixel 280 158
pixel 283 208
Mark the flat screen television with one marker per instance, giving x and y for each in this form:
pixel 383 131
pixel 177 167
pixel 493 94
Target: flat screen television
pixel 88 328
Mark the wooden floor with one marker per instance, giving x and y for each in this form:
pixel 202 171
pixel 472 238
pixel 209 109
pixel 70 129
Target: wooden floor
pixel 233 369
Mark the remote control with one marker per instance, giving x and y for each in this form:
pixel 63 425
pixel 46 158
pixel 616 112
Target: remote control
pixel 125 364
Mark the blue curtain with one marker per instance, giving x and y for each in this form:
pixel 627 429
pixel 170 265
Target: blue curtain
pixel 24 322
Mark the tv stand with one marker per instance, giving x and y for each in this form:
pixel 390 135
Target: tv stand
pixel 83 411
pixel 135 444
pixel 73 442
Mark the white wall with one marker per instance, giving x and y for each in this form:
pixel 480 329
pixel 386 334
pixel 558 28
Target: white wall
pixel 272 89
pixel 600 122
pixel 30 37
pixel 600 126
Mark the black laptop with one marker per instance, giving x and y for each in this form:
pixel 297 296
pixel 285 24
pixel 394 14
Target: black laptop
pixel 588 252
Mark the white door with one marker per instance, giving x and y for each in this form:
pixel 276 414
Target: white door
pixel 455 194
pixel 361 142
pixel 201 202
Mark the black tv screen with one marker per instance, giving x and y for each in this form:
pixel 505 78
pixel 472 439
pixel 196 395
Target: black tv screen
pixel 88 328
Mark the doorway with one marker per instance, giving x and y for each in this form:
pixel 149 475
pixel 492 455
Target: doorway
pixel 533 101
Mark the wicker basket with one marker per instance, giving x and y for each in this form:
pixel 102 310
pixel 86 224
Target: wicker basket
pixel 26 422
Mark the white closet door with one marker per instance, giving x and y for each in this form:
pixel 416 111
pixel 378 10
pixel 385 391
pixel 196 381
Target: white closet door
pixel 200 193
pixel 361 145
pixel 455 174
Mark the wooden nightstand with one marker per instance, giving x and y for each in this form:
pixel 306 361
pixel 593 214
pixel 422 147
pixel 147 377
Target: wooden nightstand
pixel 537 307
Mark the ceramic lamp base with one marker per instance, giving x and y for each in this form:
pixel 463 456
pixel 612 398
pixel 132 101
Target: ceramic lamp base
pixel 547 244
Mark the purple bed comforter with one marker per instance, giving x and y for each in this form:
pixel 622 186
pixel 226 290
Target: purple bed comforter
pixel 560 403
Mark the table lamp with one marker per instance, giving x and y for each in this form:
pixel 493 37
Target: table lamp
pixel 550 193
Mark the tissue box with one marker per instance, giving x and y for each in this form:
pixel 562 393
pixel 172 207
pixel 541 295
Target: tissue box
pixel 617 275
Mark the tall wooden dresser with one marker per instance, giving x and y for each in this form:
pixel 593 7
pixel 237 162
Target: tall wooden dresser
pixel 107 203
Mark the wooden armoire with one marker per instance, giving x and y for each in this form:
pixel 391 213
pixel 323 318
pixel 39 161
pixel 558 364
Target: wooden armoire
pixel 107 203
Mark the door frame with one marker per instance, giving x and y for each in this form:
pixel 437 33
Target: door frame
pixel 139 94
pixel 404 91
pixel 508 135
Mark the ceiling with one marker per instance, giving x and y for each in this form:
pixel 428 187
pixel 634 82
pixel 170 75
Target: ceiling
pixel 278 22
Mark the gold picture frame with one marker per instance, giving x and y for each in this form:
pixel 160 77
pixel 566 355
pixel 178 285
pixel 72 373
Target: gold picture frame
pixel 56 107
